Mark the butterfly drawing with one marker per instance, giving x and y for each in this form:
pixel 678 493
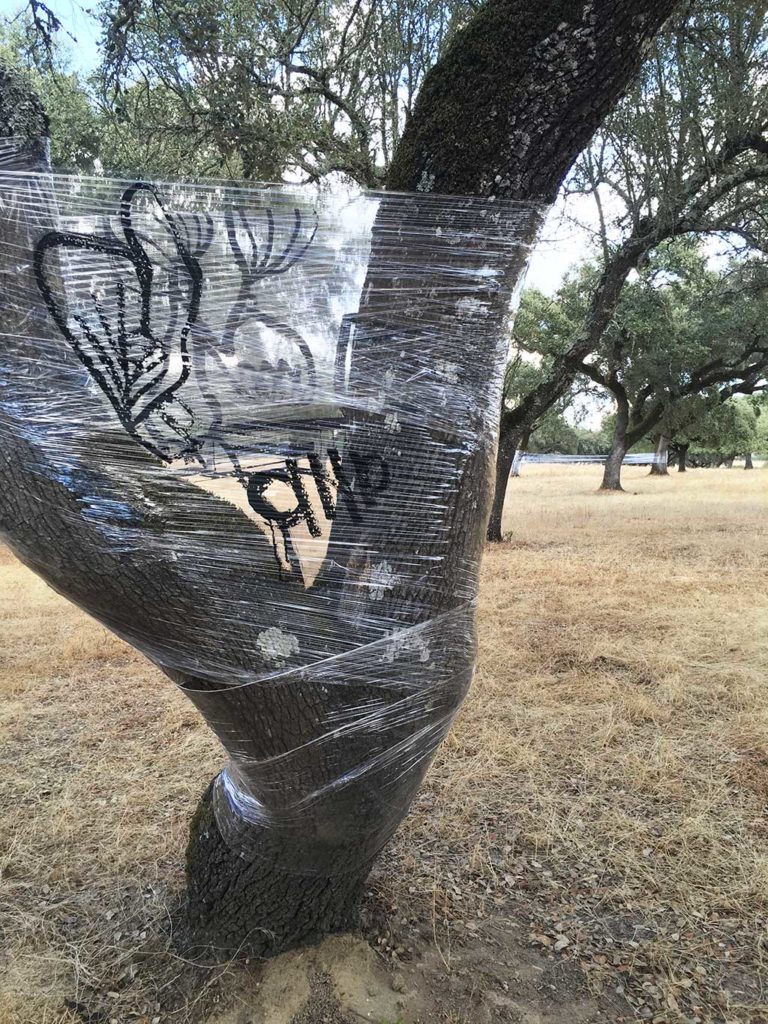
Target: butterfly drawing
pixel 129 316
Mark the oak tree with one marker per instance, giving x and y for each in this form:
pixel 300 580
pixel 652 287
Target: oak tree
pixel 684 153
pixel 502 115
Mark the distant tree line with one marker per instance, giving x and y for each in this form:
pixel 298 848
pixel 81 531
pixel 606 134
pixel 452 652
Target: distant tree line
pixel 683 341
pixel 706 433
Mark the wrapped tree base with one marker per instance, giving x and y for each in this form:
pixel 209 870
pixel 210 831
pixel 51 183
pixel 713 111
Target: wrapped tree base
pixel 240 907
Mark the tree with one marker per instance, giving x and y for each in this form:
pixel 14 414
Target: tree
pixel 680 424
pixel 270 88
pixel 679 331
pixel 552 432
pixel 75 130
pixel 542 78
pixel 684 153
pixel 258 91
pixel 759 403
pixel 595 442
pixel 517 376
pixel 660 465
pixel 554 435
pixel 718 431
pixel 521 377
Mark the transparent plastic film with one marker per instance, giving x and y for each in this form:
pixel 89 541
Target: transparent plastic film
pixel 251 430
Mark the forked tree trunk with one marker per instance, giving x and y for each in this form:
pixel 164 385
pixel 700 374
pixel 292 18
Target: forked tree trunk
pixel 615 460
pixel 661 457
pixel 543 76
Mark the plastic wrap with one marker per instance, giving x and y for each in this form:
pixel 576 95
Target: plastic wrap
pixel 251 430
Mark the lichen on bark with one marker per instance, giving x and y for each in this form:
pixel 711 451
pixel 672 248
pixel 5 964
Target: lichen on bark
pixel 519 93
pixel 21 112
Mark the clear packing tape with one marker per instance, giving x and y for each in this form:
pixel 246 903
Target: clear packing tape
pixel 251 430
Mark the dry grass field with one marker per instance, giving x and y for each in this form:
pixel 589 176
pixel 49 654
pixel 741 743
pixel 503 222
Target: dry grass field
pixel 590 845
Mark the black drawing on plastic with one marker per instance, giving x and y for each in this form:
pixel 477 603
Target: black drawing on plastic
pixel 142 331
pixel 137 322
pixel 129 361
pixel 358 490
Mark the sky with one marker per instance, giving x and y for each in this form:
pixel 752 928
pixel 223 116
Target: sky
pixel 83 50
pixel 562 244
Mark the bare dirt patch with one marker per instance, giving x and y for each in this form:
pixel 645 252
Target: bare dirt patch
pixel 591 844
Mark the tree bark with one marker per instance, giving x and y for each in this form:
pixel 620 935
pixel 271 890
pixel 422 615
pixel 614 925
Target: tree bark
pixel 660 459
pixel 612 472
pixel 748 464
pixel 682 458
pixel 258 904
pixel 281 844
pixel 508 444
pixel 543 77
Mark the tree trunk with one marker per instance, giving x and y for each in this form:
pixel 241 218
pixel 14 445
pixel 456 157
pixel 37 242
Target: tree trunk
pixel 615 460
pixel 661 456
pixel 612 471
pixel 748 464
pixel 682 458
pixel 258 904
pixel 507 40
pixel 728 461
pixel 282 841
pixel 508 443
pixel 550 74
pixel 326 763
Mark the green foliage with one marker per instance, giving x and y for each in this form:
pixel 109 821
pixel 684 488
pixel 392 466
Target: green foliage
pixel 681 330
pixel 759 405
pixel 729 429
pixel 677 324
pixel 76 132
pixel 597 442
pixel 269 87
pixel 547 326
pixel 255 89
pixel 520 376
pixel 554 434
pixel 683 156
pixel 685 149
